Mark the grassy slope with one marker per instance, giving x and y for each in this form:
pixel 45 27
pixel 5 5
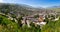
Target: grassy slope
pixel 55 9
pixel 52 27
pixel 9 26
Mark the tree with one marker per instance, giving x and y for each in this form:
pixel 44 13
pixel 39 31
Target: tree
pixel 36 16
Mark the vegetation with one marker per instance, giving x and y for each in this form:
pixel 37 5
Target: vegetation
pixel 10 26
pixel 7 25
pixel 55 9
pixel 51 27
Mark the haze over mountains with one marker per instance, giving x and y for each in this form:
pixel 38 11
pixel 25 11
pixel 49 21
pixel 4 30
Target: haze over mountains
pixel 23 9
pixel 55 8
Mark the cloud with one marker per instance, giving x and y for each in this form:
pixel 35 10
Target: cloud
pixel 1 1
pixel 9 1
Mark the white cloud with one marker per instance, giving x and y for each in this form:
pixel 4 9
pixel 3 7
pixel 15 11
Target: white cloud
pixel 9 1
pixel 1 1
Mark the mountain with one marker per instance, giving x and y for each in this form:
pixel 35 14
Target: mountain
pixel 21 9
pixel 55 8
pixel 15 9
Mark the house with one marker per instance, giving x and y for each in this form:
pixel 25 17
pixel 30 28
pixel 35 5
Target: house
pixel 37 21
pixel 26 21
pixel 40 21
pixel 56 19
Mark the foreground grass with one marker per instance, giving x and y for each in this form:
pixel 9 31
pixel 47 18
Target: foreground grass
pixel 7 25
pixel 51 27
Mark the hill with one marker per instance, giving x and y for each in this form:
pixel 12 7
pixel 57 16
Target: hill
pixel 55 8
pixel 16 9
pixel 21 9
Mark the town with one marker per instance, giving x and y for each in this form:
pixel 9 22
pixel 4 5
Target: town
pixel 28 16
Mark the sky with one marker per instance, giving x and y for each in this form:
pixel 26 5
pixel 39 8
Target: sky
pixel 34 3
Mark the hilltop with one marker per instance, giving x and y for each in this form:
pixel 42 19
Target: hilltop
pixel 55 8
pixel 21 9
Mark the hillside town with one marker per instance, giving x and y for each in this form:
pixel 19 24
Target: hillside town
pixel 37 19
pixel 25 18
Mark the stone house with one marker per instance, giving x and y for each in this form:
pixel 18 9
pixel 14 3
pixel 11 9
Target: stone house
pixel 28 19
